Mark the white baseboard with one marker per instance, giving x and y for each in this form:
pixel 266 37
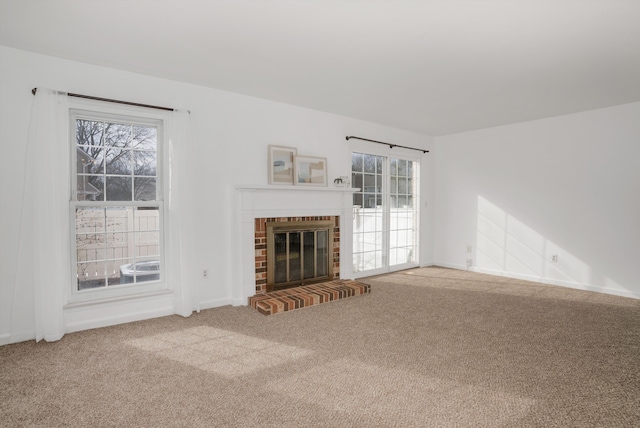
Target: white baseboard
pixel 23 336
pixel 451 265
pixel 87 317
pixel 216 303
pixel 550 281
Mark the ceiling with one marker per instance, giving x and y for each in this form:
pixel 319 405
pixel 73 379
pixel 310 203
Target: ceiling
pixel 434 67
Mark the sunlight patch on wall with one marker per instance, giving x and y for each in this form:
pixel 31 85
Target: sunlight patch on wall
pixel 219 351
pixel 504 244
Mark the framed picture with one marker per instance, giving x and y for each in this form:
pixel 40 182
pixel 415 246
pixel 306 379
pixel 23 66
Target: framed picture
pixel 310 171
pixel 281 164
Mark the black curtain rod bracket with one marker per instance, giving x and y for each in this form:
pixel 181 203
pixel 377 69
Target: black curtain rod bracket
pixel 391 146
pixel 89 97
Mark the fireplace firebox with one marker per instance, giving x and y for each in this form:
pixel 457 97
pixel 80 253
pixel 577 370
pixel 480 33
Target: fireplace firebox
pixel 298 253
pixel 295 251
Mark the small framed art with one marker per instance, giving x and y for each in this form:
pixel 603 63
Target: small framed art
pixel 310 171
pixel 281 169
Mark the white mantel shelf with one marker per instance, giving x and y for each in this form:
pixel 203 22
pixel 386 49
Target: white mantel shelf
pixel 261 188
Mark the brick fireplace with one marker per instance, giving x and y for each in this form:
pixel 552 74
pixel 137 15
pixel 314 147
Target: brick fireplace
pixel 257 205
pixel 260 238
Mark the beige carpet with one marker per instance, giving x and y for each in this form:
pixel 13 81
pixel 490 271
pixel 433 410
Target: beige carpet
pixel 428 347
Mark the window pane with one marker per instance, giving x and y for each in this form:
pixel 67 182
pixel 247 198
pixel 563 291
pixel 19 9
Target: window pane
pixel 91 275
pixel 118 219
pixel 402 185
pixel 147 270
pixel 88 247
pixel 147 218
pixel 394 185
pixel 117 135
pixel 369 183
pixel 145 188
pixel 369 163
pixel 89 220
pixel 118 162
pixel 357 162
pixel 89 160
pixel 113 271
pixel 356 181
pixel 369 200
pixel 125 273
pixel 118 188
pixel 89 132
pixel 145 137
pixel 119 240
pixel 394 167
pixel 147 244
pixel 402 168
pixel 145 163
pixel 118 253
pixel 86 191
pixel 139 271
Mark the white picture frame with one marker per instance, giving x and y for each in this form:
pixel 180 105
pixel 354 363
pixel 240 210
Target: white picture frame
pixel 310 171
pixel 281 165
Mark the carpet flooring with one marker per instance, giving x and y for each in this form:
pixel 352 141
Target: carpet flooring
pixel 429 347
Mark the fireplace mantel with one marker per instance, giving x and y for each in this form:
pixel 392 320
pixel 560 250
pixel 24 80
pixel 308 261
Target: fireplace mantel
pixel 260 201
pixel 277 188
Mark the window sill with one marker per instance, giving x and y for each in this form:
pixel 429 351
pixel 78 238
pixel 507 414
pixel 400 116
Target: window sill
pixel 115 299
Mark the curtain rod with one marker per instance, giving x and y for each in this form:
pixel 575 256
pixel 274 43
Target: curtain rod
pixel 89 97
pixel 391 146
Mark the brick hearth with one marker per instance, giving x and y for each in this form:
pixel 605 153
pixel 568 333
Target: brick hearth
pixel 307 295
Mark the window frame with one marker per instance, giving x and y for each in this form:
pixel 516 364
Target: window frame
pixel 397 153
pixel 100 111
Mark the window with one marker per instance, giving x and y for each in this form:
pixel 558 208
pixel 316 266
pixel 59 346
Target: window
pixel 116 205
pixel 385 213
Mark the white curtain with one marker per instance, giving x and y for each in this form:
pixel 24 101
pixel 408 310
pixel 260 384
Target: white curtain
pixel 43 268
pixel 179 214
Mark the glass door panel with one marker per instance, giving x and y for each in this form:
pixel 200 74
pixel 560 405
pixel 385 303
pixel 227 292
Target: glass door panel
pixel 384 211
pixel 368 214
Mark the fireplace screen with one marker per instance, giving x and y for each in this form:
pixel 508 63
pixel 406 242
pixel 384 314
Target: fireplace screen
pixel 298 253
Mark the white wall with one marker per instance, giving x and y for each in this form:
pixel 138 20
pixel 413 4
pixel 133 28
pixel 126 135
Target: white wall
pixel 231 133
pixel 567 185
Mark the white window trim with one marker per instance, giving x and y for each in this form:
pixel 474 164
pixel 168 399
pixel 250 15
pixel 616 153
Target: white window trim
pixel 367 148
pixel 82 108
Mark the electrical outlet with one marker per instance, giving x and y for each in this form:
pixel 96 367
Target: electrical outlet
pixel 469 248
pixel 205 273
pixel 469 263
pixel 554 258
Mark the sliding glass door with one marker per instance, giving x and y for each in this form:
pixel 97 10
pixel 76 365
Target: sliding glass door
pixel 385 213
